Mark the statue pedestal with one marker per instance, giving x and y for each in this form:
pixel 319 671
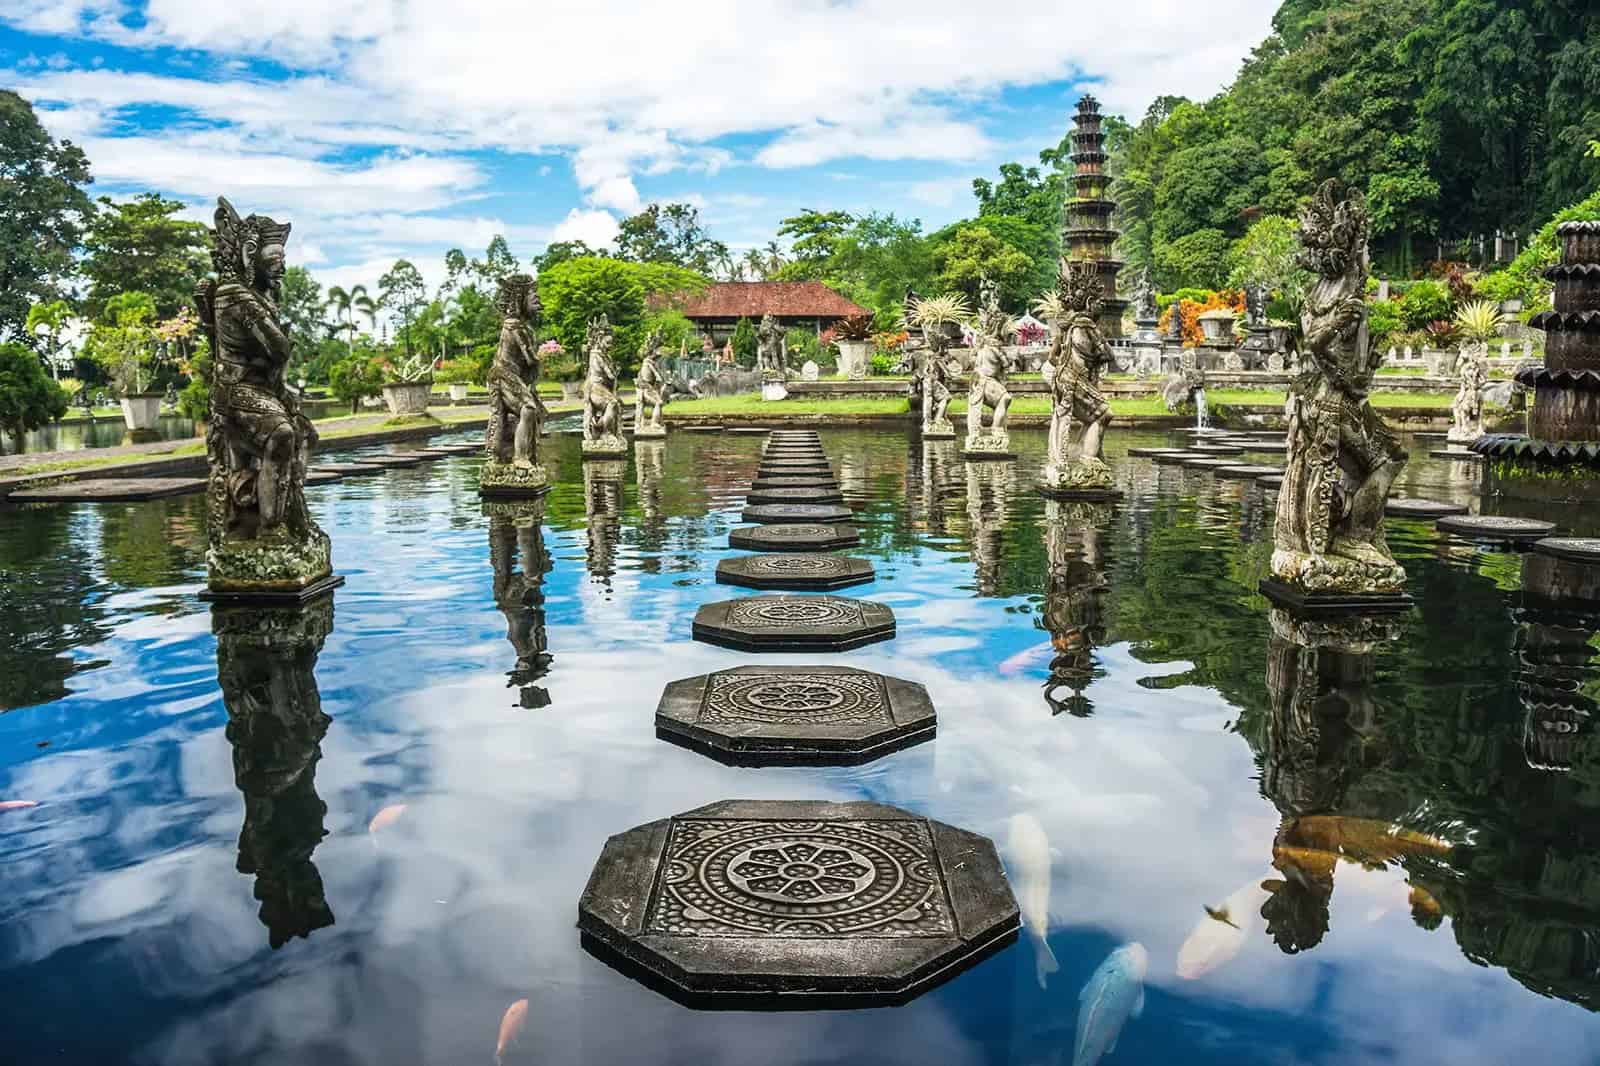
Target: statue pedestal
pixel 1078 479
pixel 774 390
pixel 1303 601
pixel 274 597
pixel 987 446
pixel 940 430
pixel 278 569
pixel 609 446
pixel 649 431
pixel 512 479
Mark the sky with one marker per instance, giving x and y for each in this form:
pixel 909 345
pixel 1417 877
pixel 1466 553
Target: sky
pixel 402 128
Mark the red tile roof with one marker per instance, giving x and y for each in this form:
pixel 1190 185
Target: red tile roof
pixel 785 299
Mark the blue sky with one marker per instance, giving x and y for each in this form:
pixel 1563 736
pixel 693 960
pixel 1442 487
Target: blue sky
pixel 388 128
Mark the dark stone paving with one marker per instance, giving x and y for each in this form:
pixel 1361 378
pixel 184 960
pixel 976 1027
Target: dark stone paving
pixel 348 469
pixel 794 571
pixel 790 494
pixel 395 462
pixel 1174 458
pixel 794 537
pixel 1266 447
pixel 793 623
pixel 322 477
pixel 1415 507
pixel 1151 452
pixel 774 513
pixel 1459 454
pixel 111 490
pixel 1217 449
pixel 795 715
pixel 1245 471
pixel 1573 549
pixel 1496 528
pixel 799 904
pixel 1273 482
pixel 1207 462
pixel 454 449
pixel 749 430
pixel 797 482
pixel 789 464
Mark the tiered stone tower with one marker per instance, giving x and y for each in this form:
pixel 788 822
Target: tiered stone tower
pixel 1089 234
pixel 1559 458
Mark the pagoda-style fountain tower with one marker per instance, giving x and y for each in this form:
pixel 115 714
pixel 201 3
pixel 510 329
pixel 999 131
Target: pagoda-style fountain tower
pixel 1559 458
pixel 1089 234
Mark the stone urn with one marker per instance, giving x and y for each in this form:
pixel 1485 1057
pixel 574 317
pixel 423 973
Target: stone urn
pixel 1441 363
pixel 407 397
pixel 1217 325
pixel 853 358
pixel 141 410
pixel 571 391
pixel 458 393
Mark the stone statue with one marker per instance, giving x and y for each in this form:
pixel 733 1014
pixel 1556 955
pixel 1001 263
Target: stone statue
pixel 1079 413
pixel 266 658
pixel 261 542
pixel 1467 410
pixel 516 415
pixel 988 382
pixel 936 376
pixel 519 561
pixel 1144 301
pixel 649 391
pixel 602 411
pixel 1255 304
pixel 769 348
pixel 1342 457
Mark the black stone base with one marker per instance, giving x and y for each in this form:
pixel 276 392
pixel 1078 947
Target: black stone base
pixel 793 537
pixel 1079 494
pixel 1456 454
pixel 793 623
pixel 980 456
pixel 794 572
pixel 273 597
pixel 512 492
pixel 1296 599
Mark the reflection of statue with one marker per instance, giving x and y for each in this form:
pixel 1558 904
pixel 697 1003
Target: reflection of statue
pixel 519 560
pixel 266 662
pixel 1074 596
pixel 515 412
pixel 936 377
pixel 602 506
pixel 938 484
pixel 602 411
pixel 989 488
pixel 1079 414
pixel 1342 456
pixel 1558 628
pixel 1467 410
pixel 649 391
pixel 648 459
pixel 988 383
pixel 769 348
pixel 261 541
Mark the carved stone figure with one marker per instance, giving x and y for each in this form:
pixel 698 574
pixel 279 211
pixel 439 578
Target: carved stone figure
pixel 649 391
pixel 1342 457
pixel 266 658
pixel 1079 413
pixel 260 540
pixel 988 383
pixel 769 348
pixel 936 376
pixel 1144 302
pixel 1467 410
pixel 602 411
pixel 519 560
pixel 516 415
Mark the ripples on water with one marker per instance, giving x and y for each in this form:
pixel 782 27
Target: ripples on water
pixel 195 891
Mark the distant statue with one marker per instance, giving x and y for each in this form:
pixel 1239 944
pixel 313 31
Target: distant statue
pixel 769 348
pixel 649 391
pixel 1342 456
pixel 516 414
pixel 1467 410
pixel 988 381
pixel 1255 305
pixel 936 375
pixel 1079 413
pixel 1144 301
pixel 261 540
pixel 602 411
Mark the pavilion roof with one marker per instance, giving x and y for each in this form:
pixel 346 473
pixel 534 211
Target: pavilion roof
pixel 783 299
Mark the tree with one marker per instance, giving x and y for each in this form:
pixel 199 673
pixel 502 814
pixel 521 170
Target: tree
pixel 1266 255
pixel 812 235
pixel 355 377
pixel 967 252
pixel 1196 260
pixel 744 342
pixel 671 233
pixel 345 303
pixel 580 289
pixel 301 305
pixel 43 210
pixel 1209 186
pixel 28 398
pixel 1025 193
pixel 45 323
pixel 403 290
pixel 497 263
pixel 557 252
pixel 141 246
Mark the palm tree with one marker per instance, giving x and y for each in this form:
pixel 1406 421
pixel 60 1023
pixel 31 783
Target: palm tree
pixel 346 304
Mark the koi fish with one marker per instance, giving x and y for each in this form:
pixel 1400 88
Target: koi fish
pixel 511 1025
pixel 1023 659
pixel 386 817
pixel 1114 994
pixel 17 805
pixel 1030 847
pixel 1220 935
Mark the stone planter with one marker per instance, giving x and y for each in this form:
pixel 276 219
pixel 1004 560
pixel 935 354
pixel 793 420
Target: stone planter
pixel 571 391
pixel 1440 363
pixel 141 410
pixel 853 358
pixel 407 398
pixel 1217 326
pixel 458 393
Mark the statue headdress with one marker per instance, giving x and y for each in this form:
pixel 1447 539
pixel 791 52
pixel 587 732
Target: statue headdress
pixel 1334 226
pixel 237 240
pixel 513 295
pixel 1079 284
pixel 599 329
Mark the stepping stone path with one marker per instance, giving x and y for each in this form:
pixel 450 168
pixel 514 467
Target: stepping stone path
pixel 781 482
pixel 1458 454
pixel 1174 458
pixel 1245 471
pixel 753 903
pixel 782 538
pixel 1217 449
pixel 322 477
pixel 395 461
pixel 1274 481
pixel 815 494
pixel 1572 549
pixel 811 715
pixel 1207 462
pixel 775 513
pixel 812 570
pixel 110 490
pixel 1496 528
pixel 1416 507
pixel 793 623
pixel 348 469
pixel 1150 452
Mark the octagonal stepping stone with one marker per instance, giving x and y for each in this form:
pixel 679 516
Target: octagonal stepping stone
pixel 797 482
pixel 322 477
pixel 790 494
pixel 1175 458
pixel 800 535
pixel 1496 528
pixel 1207 462
pixel 1217 449
pixel 794 453
pixel 803 435
pixel 1244 471
pixel 797 904
pixel 1573 549
pixel 110 490
pixel 1270 447
pixel 1416 507
pixel 812 570
pixel 1148 453
pixel 795 715
pixel 775 513
pixel 419 455
pixel 463 448
pixel 348 469
pixel 782 462
pixel 1455 454
pixel 793 623
pixel 389 462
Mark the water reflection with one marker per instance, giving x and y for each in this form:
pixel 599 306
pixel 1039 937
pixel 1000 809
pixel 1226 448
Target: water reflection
pixel 266 663
pixel 1074 603
pixel 1557 634
pixel 602 510
pixel 990 486
pixel 519 560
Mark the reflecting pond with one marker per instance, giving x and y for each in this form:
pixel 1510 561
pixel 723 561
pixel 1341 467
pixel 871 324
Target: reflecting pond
pixel 80 433
pixel 1356 845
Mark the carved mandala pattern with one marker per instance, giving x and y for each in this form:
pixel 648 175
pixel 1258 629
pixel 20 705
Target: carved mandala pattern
pixel 796 698
pixel 796 531
pixel 795 612
pixel 817 566
pixel 800 879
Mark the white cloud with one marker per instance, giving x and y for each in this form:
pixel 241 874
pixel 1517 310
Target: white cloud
pixel 940 192
pixel 597 229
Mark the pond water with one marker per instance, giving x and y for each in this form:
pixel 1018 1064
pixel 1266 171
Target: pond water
pixel 191 890
pixel 78 434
